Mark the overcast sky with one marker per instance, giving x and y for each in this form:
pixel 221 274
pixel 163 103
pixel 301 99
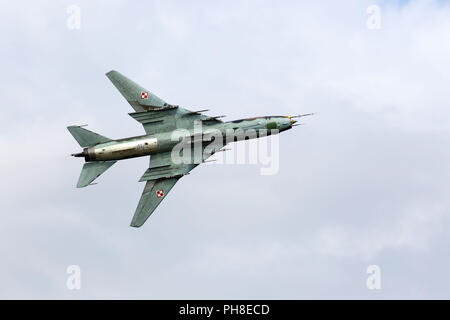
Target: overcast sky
pixel 365 182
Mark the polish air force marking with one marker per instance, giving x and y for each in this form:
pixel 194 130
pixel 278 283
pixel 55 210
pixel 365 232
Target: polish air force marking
pixel 159 193
pixel 144 95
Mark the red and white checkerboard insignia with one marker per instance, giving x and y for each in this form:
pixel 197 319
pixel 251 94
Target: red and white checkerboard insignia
pixel 159 193
pixel 144 95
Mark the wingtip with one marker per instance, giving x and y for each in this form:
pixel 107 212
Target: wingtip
pixel 110 72
pixel 135 225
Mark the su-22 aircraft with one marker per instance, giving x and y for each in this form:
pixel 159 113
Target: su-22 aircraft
pixel 159 120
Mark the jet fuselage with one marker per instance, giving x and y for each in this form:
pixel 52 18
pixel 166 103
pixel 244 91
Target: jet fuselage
pixel 145 145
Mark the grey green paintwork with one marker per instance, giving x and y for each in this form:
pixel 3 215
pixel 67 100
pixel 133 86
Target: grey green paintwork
pixel 159 120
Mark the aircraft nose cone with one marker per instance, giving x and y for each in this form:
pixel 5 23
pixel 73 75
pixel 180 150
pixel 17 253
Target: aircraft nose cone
pixel 293 121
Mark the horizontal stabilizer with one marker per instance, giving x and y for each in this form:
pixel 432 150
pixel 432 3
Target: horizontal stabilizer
pixel 91 171
pixel 138 97
pixel 86 138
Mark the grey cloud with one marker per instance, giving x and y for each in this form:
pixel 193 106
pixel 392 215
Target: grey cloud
pixel 364 182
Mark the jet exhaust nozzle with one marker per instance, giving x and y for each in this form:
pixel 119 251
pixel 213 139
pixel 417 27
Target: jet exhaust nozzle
pixel 78 155
pixel 85 154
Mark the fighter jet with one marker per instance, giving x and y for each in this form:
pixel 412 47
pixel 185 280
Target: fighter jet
pixel 161 122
